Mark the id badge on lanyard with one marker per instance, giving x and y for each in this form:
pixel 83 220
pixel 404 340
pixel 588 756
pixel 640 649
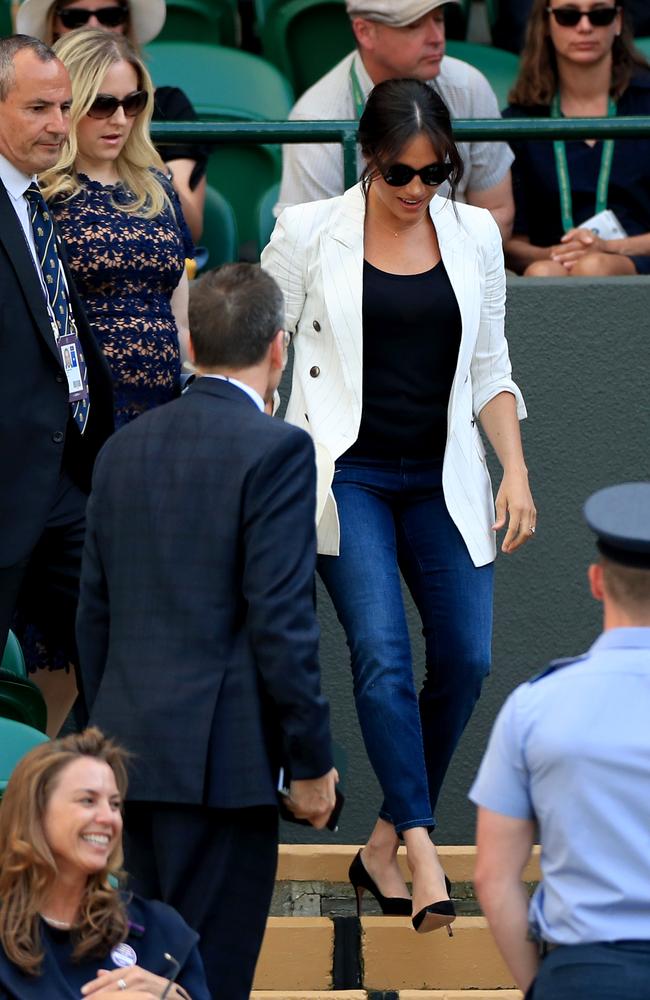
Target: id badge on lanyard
pixel 562 169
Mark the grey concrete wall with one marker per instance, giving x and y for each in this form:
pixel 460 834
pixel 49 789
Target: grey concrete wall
pixel 580 351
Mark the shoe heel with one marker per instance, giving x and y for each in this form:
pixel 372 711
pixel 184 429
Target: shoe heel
pixel 359 893
pixel 450 933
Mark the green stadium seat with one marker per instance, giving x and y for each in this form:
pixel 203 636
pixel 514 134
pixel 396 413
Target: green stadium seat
pixel 643 44
pixel 265 217
pixel 227 85
pixel 16 740
pixel 13 661
pixel 214 21
pixel 305 38
pixel 221 82
pixel 22 701
pixel 220 237
pixel 498 66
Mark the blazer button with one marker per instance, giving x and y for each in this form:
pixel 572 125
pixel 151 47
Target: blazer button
pixel 315 371
pixel 57 437
pixel 316 326
pixel 60 377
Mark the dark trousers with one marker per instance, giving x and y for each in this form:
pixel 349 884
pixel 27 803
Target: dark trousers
pixel 217 868
pixel 46 582
pixel 601 971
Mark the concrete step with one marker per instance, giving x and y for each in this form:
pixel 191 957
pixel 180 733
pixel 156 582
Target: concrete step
pixel 312 880
pixel 315 947
pixel 390 995
pixel 330 863
pixel 307 953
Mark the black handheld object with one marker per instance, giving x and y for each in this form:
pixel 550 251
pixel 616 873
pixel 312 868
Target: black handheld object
pixel 286 814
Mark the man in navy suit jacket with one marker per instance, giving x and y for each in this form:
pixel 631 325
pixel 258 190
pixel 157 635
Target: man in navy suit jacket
pixel 45 461
pixel 196 628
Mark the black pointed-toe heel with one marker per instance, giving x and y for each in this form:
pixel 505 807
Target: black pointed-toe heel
pixel 436 915
pixel 393 906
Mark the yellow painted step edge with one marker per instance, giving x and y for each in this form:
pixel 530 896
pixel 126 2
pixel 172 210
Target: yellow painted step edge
pixel 330 863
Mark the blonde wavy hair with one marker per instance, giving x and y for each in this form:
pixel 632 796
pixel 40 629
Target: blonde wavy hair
pixel 27 868
pixel 88 54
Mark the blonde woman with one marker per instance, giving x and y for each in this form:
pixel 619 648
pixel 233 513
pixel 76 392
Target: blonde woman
pixel 121 221
pixel 64 930
pixel 140 21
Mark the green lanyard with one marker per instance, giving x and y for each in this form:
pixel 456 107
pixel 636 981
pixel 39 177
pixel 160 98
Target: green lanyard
pixel 357 93
pixel 562 169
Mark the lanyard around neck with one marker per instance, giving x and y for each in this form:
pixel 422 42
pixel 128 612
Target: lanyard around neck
pixel 357 92
pixel 562 169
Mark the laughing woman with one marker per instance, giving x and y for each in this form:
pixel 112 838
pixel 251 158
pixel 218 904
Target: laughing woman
pixel 65 931
pixel 121 221
pixel 396 297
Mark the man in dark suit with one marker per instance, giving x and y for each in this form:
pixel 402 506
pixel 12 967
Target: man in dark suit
pixel 196 627
pixel 46 453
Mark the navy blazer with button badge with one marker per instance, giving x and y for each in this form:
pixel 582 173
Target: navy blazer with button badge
pixel 37 433
pixel 154 929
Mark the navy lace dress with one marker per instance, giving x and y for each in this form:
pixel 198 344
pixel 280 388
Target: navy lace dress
pixel 126 269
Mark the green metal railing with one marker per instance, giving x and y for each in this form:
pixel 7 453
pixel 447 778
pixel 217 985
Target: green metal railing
pixel 345 132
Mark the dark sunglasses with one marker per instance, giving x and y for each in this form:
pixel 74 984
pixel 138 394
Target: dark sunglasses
pixel 399 174
pixel 76 17
pixel 569 17
pixel 105 105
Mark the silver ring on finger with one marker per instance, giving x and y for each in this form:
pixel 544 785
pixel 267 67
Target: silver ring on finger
pixel 532 529
pixel 121 984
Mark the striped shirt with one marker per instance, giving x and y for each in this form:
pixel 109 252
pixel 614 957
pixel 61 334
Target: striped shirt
pixel 315 170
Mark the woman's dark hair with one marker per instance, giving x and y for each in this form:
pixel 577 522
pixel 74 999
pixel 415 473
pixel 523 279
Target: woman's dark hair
pixel 398 111
pixel 538 80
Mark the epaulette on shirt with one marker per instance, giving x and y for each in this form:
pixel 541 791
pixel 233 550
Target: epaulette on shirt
pixel 557 665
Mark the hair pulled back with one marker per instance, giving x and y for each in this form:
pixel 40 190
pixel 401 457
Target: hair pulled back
pixel 397 111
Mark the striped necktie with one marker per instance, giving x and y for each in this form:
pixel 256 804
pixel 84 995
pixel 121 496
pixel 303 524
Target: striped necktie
pixel 48 257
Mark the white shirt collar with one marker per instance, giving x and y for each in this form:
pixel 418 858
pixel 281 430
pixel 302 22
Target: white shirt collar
pixel 14 180
pixel 248 389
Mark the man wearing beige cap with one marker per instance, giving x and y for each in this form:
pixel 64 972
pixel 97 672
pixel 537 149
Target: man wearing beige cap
pixel 398 38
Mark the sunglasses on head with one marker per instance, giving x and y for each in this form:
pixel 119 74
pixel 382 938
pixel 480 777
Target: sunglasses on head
pixel 76 17
pixel 399 174
pixel 105 105
pixel 569 17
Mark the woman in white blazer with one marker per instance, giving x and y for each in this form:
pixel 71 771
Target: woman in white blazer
pixel 396 296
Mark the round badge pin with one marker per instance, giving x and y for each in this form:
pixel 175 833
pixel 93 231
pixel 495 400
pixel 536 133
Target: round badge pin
pixel 123 955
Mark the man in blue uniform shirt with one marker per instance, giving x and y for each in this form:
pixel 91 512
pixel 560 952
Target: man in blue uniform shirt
pixel 570 754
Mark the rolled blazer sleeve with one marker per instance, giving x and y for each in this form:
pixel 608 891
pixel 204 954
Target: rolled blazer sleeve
pixel 284 259
pixel 490 367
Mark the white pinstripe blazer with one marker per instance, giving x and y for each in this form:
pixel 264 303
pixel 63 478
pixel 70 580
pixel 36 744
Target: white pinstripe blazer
pixel 316 256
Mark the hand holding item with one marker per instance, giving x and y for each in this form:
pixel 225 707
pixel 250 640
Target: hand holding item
pixel 313 799
pixel 514 499
pixel 132 983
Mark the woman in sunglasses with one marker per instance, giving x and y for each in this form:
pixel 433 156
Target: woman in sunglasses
pixel 141 21
pixel 582 207
pixel 121 221
pixel 395 296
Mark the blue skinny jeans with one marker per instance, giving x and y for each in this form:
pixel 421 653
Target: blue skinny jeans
pixel 394 520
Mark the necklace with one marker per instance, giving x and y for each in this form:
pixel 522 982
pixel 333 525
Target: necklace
pixel 64 925
pixel 400 232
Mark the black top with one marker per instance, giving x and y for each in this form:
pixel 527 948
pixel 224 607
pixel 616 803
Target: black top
pixel 172 105
pixel 411 335
pixel 537 197
pixel 154 928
